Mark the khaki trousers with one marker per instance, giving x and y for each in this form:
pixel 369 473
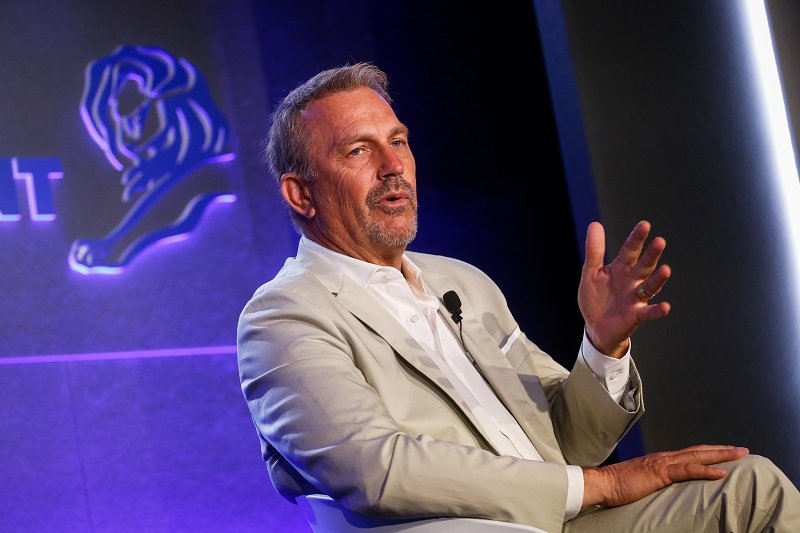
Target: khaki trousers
pixel 755 496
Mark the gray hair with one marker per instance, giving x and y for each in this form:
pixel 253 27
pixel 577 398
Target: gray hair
pixel 286 146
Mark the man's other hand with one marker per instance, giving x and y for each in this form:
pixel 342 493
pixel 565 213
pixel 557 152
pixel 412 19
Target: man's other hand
pixel 628 481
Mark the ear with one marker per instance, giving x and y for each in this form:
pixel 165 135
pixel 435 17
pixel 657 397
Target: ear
pixel 297 195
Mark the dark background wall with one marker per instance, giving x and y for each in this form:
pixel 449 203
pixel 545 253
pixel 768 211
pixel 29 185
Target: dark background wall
pixel 676 132
pixel 470 84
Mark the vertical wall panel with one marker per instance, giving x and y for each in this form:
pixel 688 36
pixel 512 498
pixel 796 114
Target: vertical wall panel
pixel 675 136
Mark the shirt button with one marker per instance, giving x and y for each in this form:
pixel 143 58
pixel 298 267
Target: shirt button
pixel 414 319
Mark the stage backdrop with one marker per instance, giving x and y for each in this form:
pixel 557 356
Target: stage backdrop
pixel 136 220
pixel 675 124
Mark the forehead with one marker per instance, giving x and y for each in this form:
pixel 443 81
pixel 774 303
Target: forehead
pixel 340 115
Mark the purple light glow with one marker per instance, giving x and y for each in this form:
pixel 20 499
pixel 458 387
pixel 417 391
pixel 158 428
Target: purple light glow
pixel 182 229
pixel 224 158
pixel 83 269
pixel 114 356
pixel 31 190
pixel 191 132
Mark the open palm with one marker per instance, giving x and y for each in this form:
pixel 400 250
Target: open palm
pixel 613 298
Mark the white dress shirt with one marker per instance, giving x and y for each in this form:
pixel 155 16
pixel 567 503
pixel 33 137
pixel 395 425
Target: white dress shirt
pixel 403 294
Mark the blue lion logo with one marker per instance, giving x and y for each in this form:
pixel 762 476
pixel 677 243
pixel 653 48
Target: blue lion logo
pixel 153 116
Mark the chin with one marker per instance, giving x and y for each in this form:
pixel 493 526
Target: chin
pixel 398 236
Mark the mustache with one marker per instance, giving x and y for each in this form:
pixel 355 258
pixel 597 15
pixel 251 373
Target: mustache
pixel 394 183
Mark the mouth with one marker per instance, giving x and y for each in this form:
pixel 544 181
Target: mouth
pixel 397 198
pixel 394 197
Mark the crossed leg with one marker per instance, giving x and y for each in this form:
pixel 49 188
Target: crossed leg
pixel 755 496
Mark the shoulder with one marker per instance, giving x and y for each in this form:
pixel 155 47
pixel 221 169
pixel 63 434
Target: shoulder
pixel 470 282
pixel 476 289
pixel 292 285
pixel 451 267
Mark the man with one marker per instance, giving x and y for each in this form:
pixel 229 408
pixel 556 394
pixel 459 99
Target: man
pixel 365 386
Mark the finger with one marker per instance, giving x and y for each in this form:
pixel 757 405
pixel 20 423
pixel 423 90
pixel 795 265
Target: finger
pixel 595 247
pixel 653 312
pixel 647 289
pixel 709 455
pixel 649 259
pixel 632 247
pixel 687 471
pixel 707 447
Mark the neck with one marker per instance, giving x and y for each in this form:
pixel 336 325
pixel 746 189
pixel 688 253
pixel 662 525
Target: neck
pixel 392 257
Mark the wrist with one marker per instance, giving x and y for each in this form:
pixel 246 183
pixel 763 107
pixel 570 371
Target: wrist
pixel 609 349
pixel 592 486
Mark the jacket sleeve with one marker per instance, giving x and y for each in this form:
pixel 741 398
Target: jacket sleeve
pixel 587 422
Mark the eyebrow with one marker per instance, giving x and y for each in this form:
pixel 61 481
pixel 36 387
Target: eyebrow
pixel 402 129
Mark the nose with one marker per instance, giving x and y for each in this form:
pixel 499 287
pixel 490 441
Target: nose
pixel 391 163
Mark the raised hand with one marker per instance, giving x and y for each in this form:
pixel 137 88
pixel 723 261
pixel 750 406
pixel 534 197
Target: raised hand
pixel 614 299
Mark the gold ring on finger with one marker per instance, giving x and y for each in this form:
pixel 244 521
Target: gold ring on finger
pixel 642 294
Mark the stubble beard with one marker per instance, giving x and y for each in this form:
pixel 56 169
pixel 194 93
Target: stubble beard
pixel 387 233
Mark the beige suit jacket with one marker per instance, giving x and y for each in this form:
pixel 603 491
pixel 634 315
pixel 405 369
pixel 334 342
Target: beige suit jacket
pixel 347 404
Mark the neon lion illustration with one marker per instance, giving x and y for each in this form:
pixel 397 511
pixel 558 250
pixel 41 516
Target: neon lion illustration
pixel 153 116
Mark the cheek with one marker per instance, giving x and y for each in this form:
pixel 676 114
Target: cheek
pixel 353 190
pixel 348 202
pixel 410 170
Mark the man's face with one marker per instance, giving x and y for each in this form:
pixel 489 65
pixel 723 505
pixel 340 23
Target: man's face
pixel 364 193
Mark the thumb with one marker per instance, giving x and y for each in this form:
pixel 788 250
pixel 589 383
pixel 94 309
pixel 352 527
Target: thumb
pixel 595 247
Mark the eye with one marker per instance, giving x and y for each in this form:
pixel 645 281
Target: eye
pixel 398 143
pixel 357 151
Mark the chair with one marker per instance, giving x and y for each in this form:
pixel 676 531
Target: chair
pixel 324 515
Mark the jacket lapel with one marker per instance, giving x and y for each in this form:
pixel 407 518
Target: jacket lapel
pixel 365 308
pixel 528 406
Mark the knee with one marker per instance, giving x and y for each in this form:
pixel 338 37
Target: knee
pixel 752 466
pixel 755 478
